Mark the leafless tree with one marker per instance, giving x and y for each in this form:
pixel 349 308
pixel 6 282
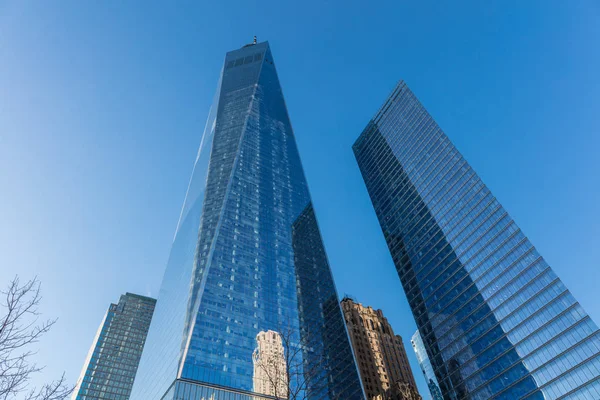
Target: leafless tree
pixel 20 329
pixel 293 369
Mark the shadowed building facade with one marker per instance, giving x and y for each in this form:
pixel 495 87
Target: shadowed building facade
pixel 240 263
pixel 112 362
pixel 496 321
pixel 380 354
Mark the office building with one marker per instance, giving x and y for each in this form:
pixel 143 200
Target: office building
pixel 247 258
pixel 496 321
pixel 379 353
pixel 112 362
pixel 426 367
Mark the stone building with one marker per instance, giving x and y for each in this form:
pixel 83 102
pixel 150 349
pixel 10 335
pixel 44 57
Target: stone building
pixel 380 354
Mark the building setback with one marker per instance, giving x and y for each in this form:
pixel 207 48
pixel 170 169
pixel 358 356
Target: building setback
pixel 496 321
pixel 110 367
pixel 379 353
pixel 247 263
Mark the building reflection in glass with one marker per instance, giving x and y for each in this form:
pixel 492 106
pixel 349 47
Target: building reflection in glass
pixel 426 367
pixel 270 367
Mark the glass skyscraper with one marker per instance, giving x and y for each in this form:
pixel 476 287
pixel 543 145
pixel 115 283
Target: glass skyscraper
pixel 426 367
pixel 496 321
pixel 247 309
pixel 112 362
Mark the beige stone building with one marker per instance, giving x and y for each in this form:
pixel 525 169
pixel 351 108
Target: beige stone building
pixel 270 372
pixel 380 355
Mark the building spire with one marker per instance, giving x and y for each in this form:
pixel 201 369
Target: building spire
pixel 251 44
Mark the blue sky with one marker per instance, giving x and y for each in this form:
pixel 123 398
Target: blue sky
pixel 102 105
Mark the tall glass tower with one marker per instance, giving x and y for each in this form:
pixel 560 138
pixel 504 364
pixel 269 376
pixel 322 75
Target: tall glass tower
pixel 248 309
pixel 113 359
pixel 496 321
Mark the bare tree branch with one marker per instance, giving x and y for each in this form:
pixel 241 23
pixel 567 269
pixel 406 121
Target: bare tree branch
pixel 294 373
pixel 20 328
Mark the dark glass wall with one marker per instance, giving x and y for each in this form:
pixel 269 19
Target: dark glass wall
pixel 331 368
pixel 495 320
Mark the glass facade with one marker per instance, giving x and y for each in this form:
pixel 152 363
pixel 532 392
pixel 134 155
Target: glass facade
pixel 426 367
pixel 113 359
pixel 247 263
pixel 496 321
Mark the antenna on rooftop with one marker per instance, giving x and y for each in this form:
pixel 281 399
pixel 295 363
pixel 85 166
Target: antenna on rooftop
pixel 250 44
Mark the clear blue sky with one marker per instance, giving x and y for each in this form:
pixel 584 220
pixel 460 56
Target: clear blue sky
pixel 102 105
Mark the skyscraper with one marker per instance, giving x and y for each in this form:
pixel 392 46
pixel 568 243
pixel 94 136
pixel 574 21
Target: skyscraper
pixel 247 258
pixel 112 362
pixel 380 354
pixel 496 321
pixel 426 367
